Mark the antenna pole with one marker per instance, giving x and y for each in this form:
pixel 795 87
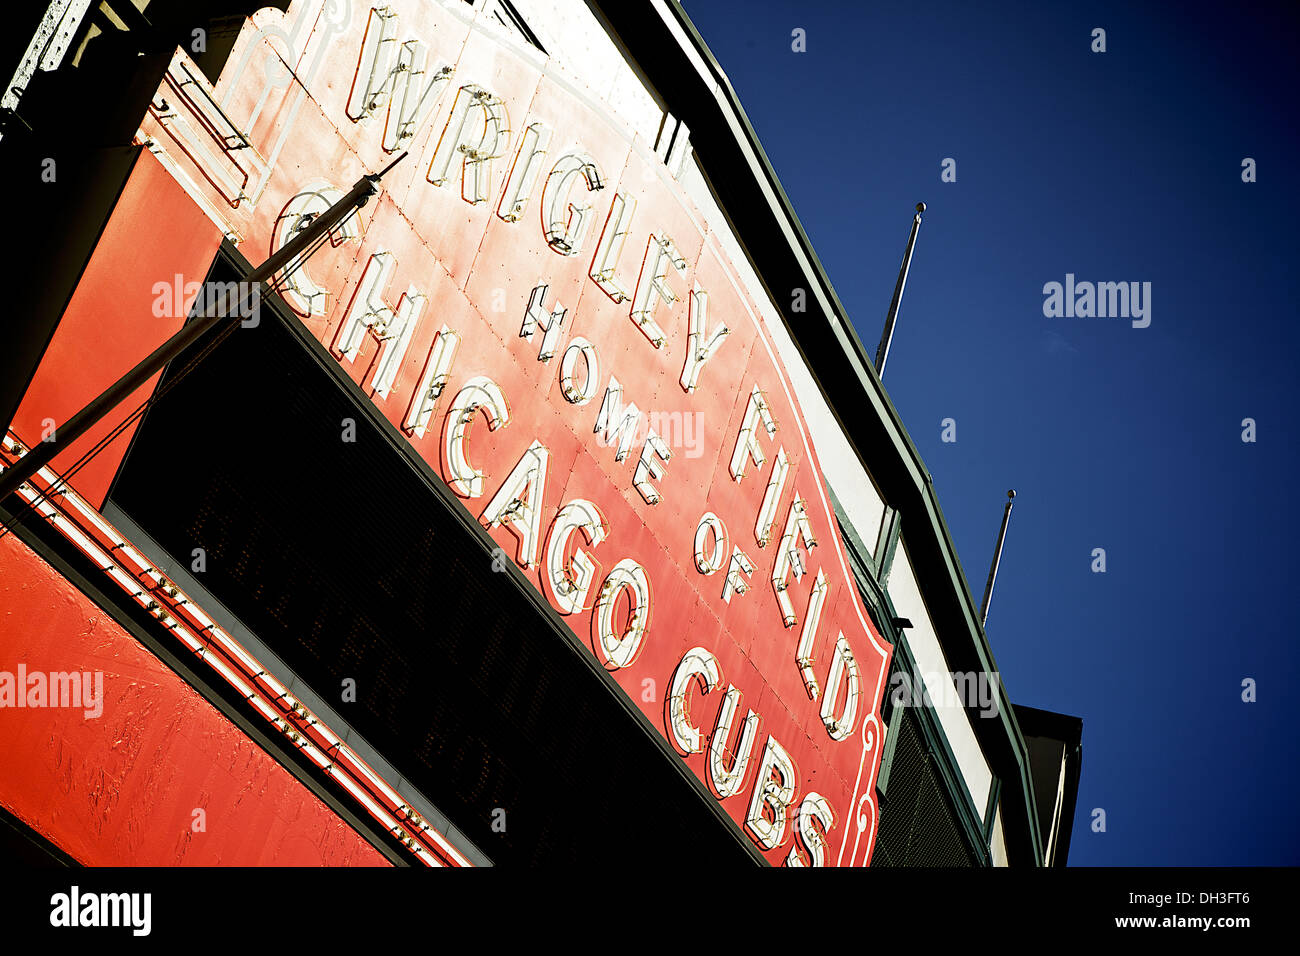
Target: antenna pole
pixel 882 353
pixel 997 559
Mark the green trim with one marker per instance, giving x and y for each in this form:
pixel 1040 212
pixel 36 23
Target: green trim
pixel 877 601
pixel 848 530
pixel 887 758
pixel 891 530
pixel 991 811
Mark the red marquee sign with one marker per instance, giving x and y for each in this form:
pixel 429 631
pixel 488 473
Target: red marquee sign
pixel 539 307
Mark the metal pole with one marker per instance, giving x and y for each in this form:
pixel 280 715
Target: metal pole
pixel 38 457
pixel 997 559
pixel 882 352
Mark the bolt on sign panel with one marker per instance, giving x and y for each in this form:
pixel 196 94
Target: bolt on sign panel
pixel 537 305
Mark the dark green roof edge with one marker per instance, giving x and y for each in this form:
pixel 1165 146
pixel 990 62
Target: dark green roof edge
pixel 644 32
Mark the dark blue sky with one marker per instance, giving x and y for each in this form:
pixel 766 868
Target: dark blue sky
pixel 1122 166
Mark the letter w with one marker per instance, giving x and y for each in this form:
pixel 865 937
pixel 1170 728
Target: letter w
pixel 393 75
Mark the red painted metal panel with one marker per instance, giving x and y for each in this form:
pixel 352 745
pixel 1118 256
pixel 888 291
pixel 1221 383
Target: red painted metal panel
pixel 122 788
pixel 155 234
pixel 476 272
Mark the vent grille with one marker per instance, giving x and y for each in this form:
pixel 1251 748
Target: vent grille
pixel 918 824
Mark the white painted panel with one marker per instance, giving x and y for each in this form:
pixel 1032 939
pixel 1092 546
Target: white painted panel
pixel 1050 851
pixel 998 845
pixel 934 670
